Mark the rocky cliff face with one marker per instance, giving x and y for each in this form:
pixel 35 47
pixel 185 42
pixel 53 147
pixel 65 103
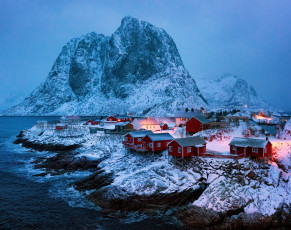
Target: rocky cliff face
pixel 230 91
pixel 137 69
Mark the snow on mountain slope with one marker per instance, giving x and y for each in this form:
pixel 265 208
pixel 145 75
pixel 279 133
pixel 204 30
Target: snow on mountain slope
pixel 137 69
pixel 229 91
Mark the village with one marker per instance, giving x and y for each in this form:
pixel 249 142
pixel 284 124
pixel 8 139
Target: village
pixel 225 161
pixel 187 134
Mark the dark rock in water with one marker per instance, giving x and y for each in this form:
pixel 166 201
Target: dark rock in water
pixel 97 180
pixel 44 147
pixel 114 199
pixel 65 162
pixel 20 135
pixel 41 174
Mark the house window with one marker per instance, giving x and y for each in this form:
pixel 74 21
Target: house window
pixel 189 149
pixel 150 145
pixel 170 148
pixel 234 148
pixel 158 144
pixel 138 139
pixel 179 150
pixel 255 150
pixel 126 139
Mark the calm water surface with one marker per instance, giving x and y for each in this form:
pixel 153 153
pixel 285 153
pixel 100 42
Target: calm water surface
pixel 28 202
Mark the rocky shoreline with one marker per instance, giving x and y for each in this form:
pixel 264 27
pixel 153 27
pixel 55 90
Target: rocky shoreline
pixel 112 199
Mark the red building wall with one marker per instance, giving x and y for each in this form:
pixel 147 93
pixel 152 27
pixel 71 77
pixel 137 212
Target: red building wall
pixel 194 151
pixel 146 140
pixel 249 151
pixel 194 126
pixel 111 118
pixel 165 127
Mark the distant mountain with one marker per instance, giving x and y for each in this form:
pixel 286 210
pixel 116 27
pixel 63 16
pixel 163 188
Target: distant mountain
pixel 137 69
pixel 229 91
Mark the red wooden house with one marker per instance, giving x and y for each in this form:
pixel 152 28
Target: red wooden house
pixel 259 148
pixel 187 147
pixel 91 122
pixel 156 142
pixel 133 140
pixel 119 118
pixel 197 124
pixel 61 126
pixel 111 118
pixel 164 126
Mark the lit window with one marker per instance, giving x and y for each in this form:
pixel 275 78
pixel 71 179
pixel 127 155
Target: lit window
pixel 170 148
pixel 255 150
pixel 179 150
pixel 158 144
pixel 189 149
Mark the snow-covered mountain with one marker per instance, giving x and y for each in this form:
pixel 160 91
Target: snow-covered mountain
pixel 229 91
pixel 137 69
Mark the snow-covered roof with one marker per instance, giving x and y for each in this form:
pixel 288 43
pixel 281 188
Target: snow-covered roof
pixel 190 114
pixel 140 133
pixel 248 142
pixel 190 141
pixel 61 124
pixel 160 136
pixel 122 123
pixel 111 127
pixel 203 120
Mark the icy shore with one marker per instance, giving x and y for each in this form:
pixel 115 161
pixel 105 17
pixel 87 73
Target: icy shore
pixel 227 193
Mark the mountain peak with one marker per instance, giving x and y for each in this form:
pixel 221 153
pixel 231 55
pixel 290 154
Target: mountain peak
pixel 129 19
pixel 137 69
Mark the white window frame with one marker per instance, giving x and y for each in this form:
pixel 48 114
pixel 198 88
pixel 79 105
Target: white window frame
pixel 179 150
pixel 255 150
pixel 151 145
pixel 170 149
pixel 188 149
pixel 159 144
pixel 234 148
pixel 125 139
pixel 139 139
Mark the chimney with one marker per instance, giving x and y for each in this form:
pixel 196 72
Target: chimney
pixel 267 138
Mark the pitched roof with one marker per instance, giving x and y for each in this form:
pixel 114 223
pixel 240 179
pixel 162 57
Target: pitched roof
pixel 203 120
pixel 160 136
pixel 140 133
pixel 190 141
pixel 184 114
pixel 122 123
pixel 248 142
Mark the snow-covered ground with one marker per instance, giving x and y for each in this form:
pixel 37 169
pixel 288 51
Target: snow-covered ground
pixel 254 186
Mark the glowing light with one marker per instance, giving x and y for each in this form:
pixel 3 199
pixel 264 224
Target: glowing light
pixel 246 106
pixel 263 118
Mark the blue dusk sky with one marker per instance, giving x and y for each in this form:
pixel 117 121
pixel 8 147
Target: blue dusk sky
pixel 248 38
